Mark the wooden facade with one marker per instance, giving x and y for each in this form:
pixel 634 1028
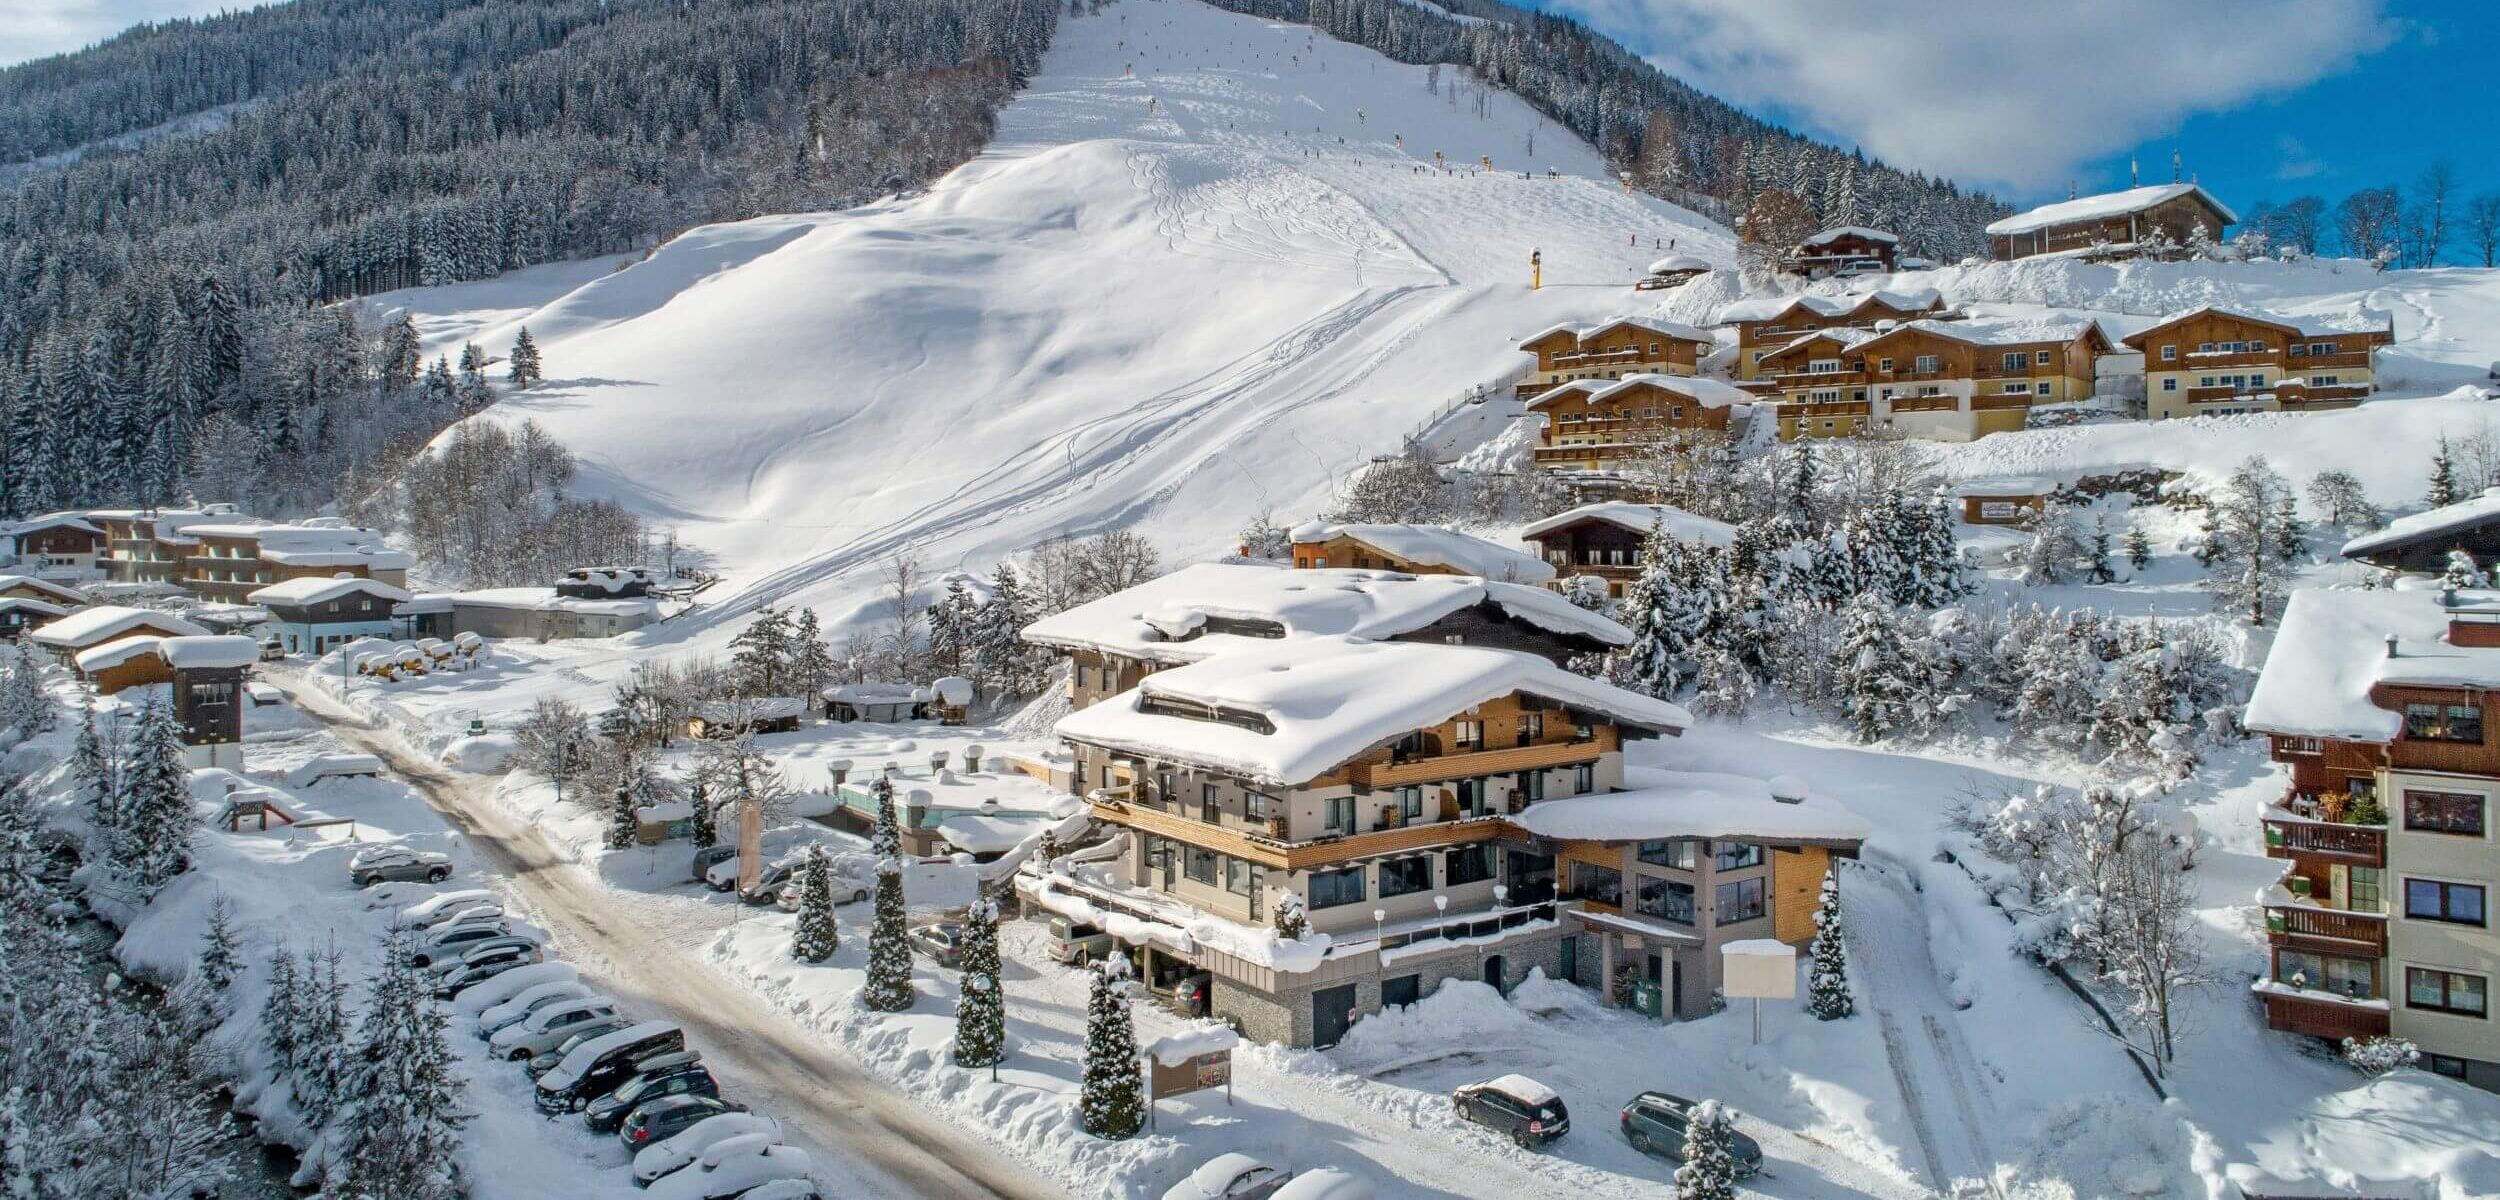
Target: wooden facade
pixel 1593 428
pixel 1841 252
pixel 1595 546
pixel 2177 218
pixel 1924 382
pixel 2215 361
pixel 1611 351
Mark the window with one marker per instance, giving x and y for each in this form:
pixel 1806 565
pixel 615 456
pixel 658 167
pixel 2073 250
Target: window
pixel 1237 876
pixel 2170 354
pixel 1530 786
pixel 2204 347
pixel 1924 363
pixel 2297 349
pixel 2443 812
pixel 1735 856
pixel 2364 889
pixel 2444 722
pixel 1331 889
pixel 1470 735
pixel 1666 900
pixel 2040 389
pixel 1470 797
pixel 2325 380
pixel 2322 347
pixel 1398 991
pixel 1163 788
pixel 1531 728
pixel 2453 992
pixel 1338 814
pixel 1410 802
pixel 2039 358
pixel 1885 364
pixel 2439 900
pixel 2354 977
pixel 1467 864
pixel 1076 778
pixel 1680 853
pixel 2011 360
pixel 1406 876
pixel 1596 884
pixel 1199 864
pixel 1740 901
pixel 2170 383
pixel 1675 412
pixel 2450 1066
pixel 1259 806
pixel 1208 809
pixel 2016 387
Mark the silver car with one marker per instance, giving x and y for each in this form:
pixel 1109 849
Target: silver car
pixel 521 1042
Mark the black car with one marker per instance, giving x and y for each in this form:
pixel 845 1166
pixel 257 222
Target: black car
pixel 669 1075
pixel 605 1063
pixel 1654 1122
pixel 654 1121
pixel 1515 1106
pixel 540 1064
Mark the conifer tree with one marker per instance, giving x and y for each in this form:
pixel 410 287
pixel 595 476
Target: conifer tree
pixel 281 1021
pixel 207 992
pixel 2096 566
pixel 1287 917
pixel 401 1135
pixel 815 937
pixel 2139 548
pixel 2443 489
pixel 811 660
pixel 706 831
pixel 888 987
pixel 24 707
pixel 324 1060
pixel 1827 986
pixel 91 765
pixel 981 1008
pixel 156 823
pixel 1874 687
pixel 1112 1100
pixel 2291 540
pixel 1799 482
pixel 623 825
pixel 1709 1170
pixel 2461 571
pixel 524 365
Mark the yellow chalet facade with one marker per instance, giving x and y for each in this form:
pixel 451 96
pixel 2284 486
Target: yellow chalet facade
pixel 1937 381
pixel 1765 325
pixel 2215 360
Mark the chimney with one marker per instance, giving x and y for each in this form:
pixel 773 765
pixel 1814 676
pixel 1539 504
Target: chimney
pixel 2391 645
pixel 1788 789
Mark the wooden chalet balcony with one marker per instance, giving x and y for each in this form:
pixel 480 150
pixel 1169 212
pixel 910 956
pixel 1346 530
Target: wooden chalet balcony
pixel 1999 400
pixel 1270 849
pixel 2312 927
pixel 1825 408
pixel 1581 453
pixel 2220 394
pixel 2206 360
pixel 2339 393
pixel 1911 404
pixel 1602 358
pixel 2327 362
pixel 2297 837
pixel 1463 765
pixel 1529 391
pixel 2323 1017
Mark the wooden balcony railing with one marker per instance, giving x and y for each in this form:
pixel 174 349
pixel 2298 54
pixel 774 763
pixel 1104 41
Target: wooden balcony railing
pixel 2323 1018
pixel 2304 394
pixel 1268 848
pixel 1582 453
pixel 1492 761
pixel 2360 845
pixel 2297 924
pixel 2327 362
pixel 1999 400
pixel 1911 404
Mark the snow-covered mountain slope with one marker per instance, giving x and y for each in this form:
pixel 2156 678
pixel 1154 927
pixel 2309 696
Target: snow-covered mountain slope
pixel 1208 264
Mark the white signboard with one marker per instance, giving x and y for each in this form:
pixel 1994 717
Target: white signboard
pixel 1999 510
pixel 1759 969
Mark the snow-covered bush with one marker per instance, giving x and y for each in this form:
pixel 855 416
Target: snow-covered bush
pixel 2380 1055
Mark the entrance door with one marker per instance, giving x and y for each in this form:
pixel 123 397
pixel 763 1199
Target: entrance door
pixel 1571 960
pixel 1531 877
pixel 1675 987
pixel 1493 973
pixel 1332 1013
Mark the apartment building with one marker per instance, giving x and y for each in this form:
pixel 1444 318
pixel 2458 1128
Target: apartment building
pixel 1934 380
pixel 1615 350
pixel 1766 324
pixel 2214 361
pixel 1592 425
pixel 2380 706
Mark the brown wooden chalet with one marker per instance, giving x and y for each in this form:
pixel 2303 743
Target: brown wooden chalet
pixel 1846 250
pixel 2422 542
pixel 1762 325
pixel 1614 350
pixel 2115 223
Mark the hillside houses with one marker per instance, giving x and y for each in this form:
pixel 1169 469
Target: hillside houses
pixel 212 552
pixel 1766 324
pixel 1842 252
pixel 1614 350
pixel 2113 224
pixel 56 545
pixel 1591 425
pixel 2215 360
pixel 2422 541
pixel 1610 540
pixel 1941 381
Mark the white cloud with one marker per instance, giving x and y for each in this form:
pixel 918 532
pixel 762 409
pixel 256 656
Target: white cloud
pixel 34 28
pixel 2296 161
pixel 2013 94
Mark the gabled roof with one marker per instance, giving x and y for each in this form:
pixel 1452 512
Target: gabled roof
pixel 1695 804
pixel 93 626
pixel 1640 518
pixel 43 608
pixel 1326 700
pixel 113 654
pixel 310 589
pixel 2331 649
pixel 59 520
pixel 1709 393
pixel 1902 302
pixel 1163 619
pixel 1435 545
pixel 1668 329
pixel 2327 326
pixel 1529 342
pixel 2432 525
pixel 1678 262
pixel 2105 206
pixel 2026 331
pixel 58 592
pixel 1838 232
pixel 1843 336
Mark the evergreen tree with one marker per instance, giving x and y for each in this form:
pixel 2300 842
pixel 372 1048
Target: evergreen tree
pixel 156 823
pixel 623 825
pixel 953 621
pixel 816 937
pixel 2054 546
pixel 23 705
pixel 96 783
pixel 760 654
pixel 2461 570
pixel 2096 567
pixel 2139 548
pixel 1709 1170
pixel 981 1007
pixel 1112 1101
pixel 1827 987
pixel 2291 541
pixel 1291 924
pixel 324 1059
pixel 706 831
pixel 401 1136
pixel 1668 609
pixel 1800 481
pixel 888 987
pixel 1876 689
pixel 207 992
pixel 1003 662
pixel 523 367
pixel 282 1014
pixel 2443 489
pixel 810 665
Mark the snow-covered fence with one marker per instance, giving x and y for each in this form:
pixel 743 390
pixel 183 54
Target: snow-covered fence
pixel 1493 389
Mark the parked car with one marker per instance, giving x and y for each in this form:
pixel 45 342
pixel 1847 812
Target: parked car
pixel 479 951
pixel 1654 1122
pixel 1230 1177
pixel 528 1000
pixel 678 1074
pixel 374 864
pixel 655 1121
pixel 548 1028
pixel 512 983
pixel 540 1064
pixel 942 941
pixel 659 1159
pixel 845 891
pixel 735 1176
pixel 479 967
pixel 708 857
pixel 451 941
pixel 1074 941
pixel 597 1066
pixel 1515 1106
pixel 1325 1183
pixel 769 883
pixel 784 1189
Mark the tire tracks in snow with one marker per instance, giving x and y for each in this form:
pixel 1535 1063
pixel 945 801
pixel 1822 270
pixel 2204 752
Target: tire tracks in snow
pixel 1943 1100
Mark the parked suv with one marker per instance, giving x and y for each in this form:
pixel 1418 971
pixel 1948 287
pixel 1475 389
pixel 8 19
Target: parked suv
pixel 1654 1122
pixel 942 941
pixel 374 864
pixel 480 966
pixel 452 941
pixel 597 1066
pixel 1074 941
pixel 654 1121
pixel 1515 1106
pixel 679 1074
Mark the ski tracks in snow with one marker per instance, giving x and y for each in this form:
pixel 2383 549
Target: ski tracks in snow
pixel 1944 1101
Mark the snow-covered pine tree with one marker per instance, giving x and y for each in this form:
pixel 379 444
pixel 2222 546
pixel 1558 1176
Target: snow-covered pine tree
pixel 2461 570
pixel 325 1067
pixel 1288 919
pixel 156 825
pixel 815 937
pixel 1665 614
pixel 1827 983
pixel 623 825
pixel 981 1007
pixel 1723 686
pixel 951 622
pixel 208 990
pixel 400 1138
pixel 281 1021
pixel 2443 486
pixel 1004 663
pixel 1112 1101
pixel 888 987
pixel 811 660
pixel 524 365
pixel 2053 548
pixel 96 782
pixel 760 654
pixel 1800 483
pixel 2139 547
pixel 706 831
pixel 2291 540
pixel 1875 690
pixel 1709 1170
pixel 24 706
pixel 2096 565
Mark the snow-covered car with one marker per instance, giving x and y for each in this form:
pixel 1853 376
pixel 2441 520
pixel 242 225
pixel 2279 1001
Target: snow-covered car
pixel 734 1176
pixel 784 1189
pixel 654 1121
pixel 529 1000
pixel 689 1146
pixel 596 1067
pixel 547 1028
pixel 505 987
pixel 1654 1122
pixel 681 1074
pixel 1515 1106
pixel 1078 942
pixel 942 941
pixel 479 968
pixel 478 951
pixel 1230 1177
pixel 1324 1183
pixel 442 906
pixel 452 940
pixel 376 864
pixel 845 891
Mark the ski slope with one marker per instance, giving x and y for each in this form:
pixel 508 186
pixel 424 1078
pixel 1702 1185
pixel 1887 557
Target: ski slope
pixel 1207 265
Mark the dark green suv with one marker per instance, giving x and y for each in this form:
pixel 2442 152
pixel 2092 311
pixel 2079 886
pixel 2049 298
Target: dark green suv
pixel 1654 1123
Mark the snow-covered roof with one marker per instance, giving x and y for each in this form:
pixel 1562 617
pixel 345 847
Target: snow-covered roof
pixel 2359 320
pixel 2006 485
pixel 225 650
pixel 60 592
pixel 2001 331
pixel 877 693
pixel 1161 620
pixel 61 520
pixel 753 708
pixel 1641 518
pixel 1846 337
pixel 1174 1049
pixel 1435 545
pixel 1828 236
pixel 1664 328
pixel 1708 393
pixel 954 691
pixel 1906 300
pixel 2447 518
pixel 2332 649
pixel 2104 207
pixel 610 579
pixel 29 604
pixel 113 654
pixel 988 833
pixel 1326 700
pixel 88 627
pixel 312 589
pixel 1674 263
pixel 1693 804
pixel 534 599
